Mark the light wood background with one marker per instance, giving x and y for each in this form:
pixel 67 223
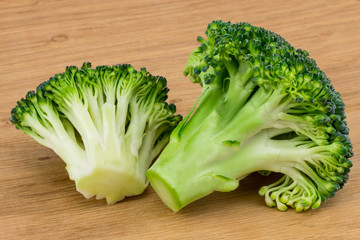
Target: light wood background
pixel 39 38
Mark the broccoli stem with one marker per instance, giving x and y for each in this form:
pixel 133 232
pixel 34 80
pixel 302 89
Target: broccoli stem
pixel 240 87
pixel 208 174
pixel 200 177
pixel 207 102
pixel 219 167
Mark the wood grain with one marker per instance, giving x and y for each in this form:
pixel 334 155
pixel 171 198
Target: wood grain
pixel 40 38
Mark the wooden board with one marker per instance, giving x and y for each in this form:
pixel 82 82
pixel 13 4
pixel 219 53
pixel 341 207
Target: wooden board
pixel 39 38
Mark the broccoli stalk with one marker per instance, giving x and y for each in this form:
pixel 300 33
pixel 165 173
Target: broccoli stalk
pixel 264 107
pixel 107 124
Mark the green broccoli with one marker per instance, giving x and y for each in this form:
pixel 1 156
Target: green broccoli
pixel 107 124
pixel 265 107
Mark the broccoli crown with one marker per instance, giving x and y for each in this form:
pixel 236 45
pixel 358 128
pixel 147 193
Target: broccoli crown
pixel 107 124
pixel 265 106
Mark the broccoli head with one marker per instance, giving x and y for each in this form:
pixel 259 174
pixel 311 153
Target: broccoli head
pixel 107 124
pixel 265 107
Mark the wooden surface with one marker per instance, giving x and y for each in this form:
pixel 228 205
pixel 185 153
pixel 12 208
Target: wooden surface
pixel 39 38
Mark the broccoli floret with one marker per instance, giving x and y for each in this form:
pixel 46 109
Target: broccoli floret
pixel 107 124
pixel 265 107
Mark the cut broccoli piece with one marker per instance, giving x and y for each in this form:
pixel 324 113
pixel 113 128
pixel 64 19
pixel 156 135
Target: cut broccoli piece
pixel 107 124
pixel 264 107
